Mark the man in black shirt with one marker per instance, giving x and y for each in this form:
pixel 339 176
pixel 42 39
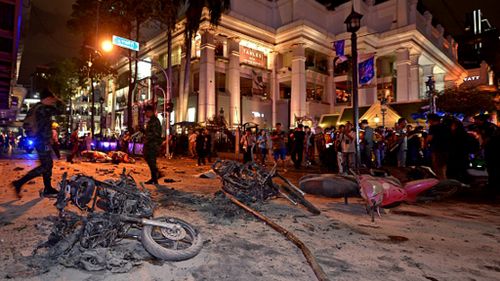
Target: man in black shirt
pixel 298 138
pixel 438 139
pixel 43 112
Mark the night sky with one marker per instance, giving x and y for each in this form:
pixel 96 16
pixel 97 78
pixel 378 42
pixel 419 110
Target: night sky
pixel 49 40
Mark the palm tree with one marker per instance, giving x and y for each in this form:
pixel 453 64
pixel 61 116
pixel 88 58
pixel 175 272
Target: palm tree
pixel 193 19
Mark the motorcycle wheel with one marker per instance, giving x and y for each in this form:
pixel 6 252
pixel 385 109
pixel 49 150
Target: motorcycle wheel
pixel 171 245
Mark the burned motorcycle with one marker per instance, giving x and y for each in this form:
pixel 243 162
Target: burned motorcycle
pixel 250 182
pixel 126 207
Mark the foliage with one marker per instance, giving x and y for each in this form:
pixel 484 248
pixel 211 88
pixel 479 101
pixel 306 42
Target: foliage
pixel 63 78
pixel 466 101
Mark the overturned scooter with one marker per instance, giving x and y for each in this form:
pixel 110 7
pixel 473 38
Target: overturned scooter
pixel 387 191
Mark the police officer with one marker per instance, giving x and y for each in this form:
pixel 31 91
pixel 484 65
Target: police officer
pixel 48 107
pixel 152 143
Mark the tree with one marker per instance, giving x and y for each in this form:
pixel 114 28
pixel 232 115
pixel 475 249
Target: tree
pixel 112 17
pixel 193 19
pixel 466 101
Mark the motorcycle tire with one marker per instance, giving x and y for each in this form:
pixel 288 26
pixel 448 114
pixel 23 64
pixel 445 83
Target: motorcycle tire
pixel 167 251
pixel 302 200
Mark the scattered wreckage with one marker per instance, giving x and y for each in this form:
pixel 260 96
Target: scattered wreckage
pixel 127 212
pixel 110 157
pixel 250 182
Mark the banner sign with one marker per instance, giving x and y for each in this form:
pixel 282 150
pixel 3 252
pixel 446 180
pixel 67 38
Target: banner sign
pixel 253 57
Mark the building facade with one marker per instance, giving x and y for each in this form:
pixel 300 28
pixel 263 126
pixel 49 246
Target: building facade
pixel 273 61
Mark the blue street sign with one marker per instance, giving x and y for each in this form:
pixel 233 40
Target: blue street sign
pixel 125 43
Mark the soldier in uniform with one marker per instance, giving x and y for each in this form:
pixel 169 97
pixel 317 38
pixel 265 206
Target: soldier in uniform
pixel 152 143
pixel 48 107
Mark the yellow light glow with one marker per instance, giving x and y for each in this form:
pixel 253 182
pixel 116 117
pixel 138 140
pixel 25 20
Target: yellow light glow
pixel 107 46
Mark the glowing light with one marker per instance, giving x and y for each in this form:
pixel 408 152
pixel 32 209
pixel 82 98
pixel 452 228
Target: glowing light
pixel 107 46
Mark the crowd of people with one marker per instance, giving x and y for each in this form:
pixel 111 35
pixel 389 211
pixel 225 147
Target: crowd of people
pixel 450 146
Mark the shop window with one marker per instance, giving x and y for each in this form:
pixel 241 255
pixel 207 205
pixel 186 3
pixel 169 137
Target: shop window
pixel 316 61
pixel 385 92
pixel 191 114
pixel 176 56
pixel 342 68
pixel 220 79
pixel 314 93
pixel 246 86
pixel 343 93
pixel 219 48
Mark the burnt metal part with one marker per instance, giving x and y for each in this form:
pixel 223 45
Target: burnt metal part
pixel 250 182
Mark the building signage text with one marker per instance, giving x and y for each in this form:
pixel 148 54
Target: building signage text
pixel 253 57
pixel 471 78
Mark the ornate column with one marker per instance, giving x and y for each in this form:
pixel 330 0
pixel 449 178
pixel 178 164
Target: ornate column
pixel 330 84
pixel 180 108
pixel 403 74
pixel 207 96
pixel 414 91
pixel 274 84
pixel 233 81
pixel 298 97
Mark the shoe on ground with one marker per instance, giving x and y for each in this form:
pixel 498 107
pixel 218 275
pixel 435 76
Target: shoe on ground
pixel 17 187
pixel 50 192
pixel 151 181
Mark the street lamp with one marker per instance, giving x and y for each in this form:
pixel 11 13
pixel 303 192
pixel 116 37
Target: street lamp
pixel 376 119
pixel 353 23
pixel 107 46
pixel 430 85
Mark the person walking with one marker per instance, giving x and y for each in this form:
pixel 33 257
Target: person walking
pixel 55 141
pixel 278 144
pixel 309 146
pixel 43 112
pixel 368 137
pixel 200 144
pixel 248 144
pixel 75 145
pixel 262 144
pixel 402 142
pixel 438 140
pixel 208 145
pixel 152 142
pixel 192 143
pixel 347 146
pixel 88 141
pixel 339 139
pixel 298 138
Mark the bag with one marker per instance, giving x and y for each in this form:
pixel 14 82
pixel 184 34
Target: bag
pixel 30 125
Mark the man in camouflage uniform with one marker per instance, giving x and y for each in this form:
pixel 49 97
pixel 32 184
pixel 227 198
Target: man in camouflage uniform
pixel 48 107
pixel 152 143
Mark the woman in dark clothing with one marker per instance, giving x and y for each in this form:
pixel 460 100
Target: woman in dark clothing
pixel 200 144
pixel 459 151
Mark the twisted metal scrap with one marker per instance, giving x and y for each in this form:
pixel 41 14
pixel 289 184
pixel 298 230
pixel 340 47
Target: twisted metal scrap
pixel 248 182
pixel 85 241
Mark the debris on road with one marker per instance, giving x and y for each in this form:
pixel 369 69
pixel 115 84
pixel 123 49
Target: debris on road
pixel 207 175
pixel 250 183
pixel 18 168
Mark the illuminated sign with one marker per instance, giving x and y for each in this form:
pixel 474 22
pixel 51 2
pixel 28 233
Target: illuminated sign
pixel 471 78
pixel 253 57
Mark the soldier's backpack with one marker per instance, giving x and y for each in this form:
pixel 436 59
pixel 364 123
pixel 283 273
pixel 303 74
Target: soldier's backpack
pixel 30 125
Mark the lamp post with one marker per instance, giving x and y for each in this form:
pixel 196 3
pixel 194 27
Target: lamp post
pixel 430 85
pixel 383 110
pixel 376 119
pixel 353 23
pixel 101 123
